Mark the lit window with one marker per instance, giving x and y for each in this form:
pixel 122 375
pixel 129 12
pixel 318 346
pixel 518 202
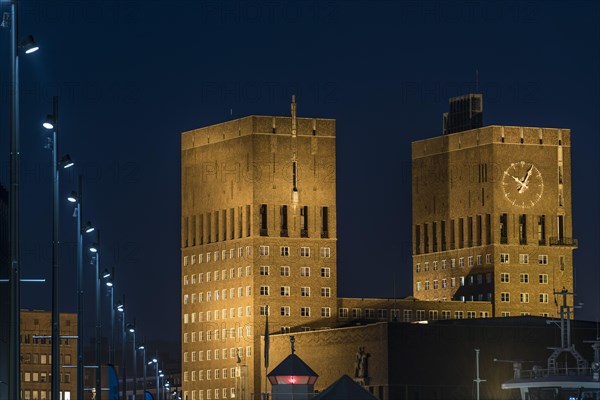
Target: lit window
pixel 426 285
pixel 523 258
pixel 470 260
pixel 263 250
pixel 304 251
pixel 461 262
pixel 444 283
pixel 444 264
pixel 426 266
pixel 488 258
pixel 435 283
pixel 435 265
pixel 325 252
pixel 524 297
pixel 453 263
pixel 418 267
pixel 304 271
pixel 418 286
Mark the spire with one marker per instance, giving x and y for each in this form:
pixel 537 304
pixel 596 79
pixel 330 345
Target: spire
pixel 294 115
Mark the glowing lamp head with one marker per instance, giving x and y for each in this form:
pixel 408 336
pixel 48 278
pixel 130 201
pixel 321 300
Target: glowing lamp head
pixel 73 197
pixel 49 122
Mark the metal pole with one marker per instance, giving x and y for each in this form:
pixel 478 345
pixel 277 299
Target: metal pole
pixel 79 291
pixel 123 351
pixel 134 354
pixel 111 352
pixel 98 326
pixel 14 390
pixel 156 371
pixel 144 359
pixel 55 260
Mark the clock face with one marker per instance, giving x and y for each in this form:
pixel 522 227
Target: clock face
pixel 522 184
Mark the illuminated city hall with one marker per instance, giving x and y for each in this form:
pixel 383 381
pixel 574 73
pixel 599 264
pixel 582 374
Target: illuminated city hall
pixel 491 237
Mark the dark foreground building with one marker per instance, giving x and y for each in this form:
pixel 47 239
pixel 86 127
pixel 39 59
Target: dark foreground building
pixel 412 361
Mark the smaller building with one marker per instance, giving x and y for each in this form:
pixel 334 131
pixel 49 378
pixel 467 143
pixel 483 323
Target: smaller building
pixel 36 355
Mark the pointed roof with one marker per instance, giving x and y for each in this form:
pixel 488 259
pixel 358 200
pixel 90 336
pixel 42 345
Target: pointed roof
pixel 292 366
pixel 345 388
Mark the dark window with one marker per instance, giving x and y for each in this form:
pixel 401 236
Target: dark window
pixel 461 233
pixel 488 228
pixel 263 220
pixel 479 231
pixel 434 236
pixel 426 237
pixel 325 222
pixel 522 229
pixel 452 235
pixel 542 229
pixel 304 222
pixel 503 228
pixel 283 218
pixel 418 239
pixel 470 231
pixel 443 227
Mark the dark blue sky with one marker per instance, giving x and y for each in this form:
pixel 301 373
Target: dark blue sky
pixel 132 75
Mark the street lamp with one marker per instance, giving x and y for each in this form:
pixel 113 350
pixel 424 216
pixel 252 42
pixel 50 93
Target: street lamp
pixel 155 362
pixel 131 328
pixel 121 309
pixel 66 162
pixel 161 375
pixel 94 248
pixel 14 346
pixel 109 277
pixel 143 349
pixel 77 198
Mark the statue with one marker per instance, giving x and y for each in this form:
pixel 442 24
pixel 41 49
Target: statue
pixel 361 364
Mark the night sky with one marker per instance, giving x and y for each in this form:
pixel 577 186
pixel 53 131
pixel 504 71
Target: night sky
pixel 132 75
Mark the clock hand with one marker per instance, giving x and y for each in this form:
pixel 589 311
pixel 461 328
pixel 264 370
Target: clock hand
pixel 529 171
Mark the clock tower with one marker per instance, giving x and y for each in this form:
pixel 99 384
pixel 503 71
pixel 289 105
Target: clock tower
pixel 492 218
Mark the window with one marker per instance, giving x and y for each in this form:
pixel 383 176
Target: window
pixel 471 314
pixel 325 312
pixel 305 291
pixel 418 286
pixel 263 250
pixel 285 311
pixel 543 297
pixel 444 283
pixel 426 285
pixel 285 290
pixel 263 220
pixel 479 260
pixel 264 290
pixel 435 265
pixel 407 315
pixel 263 310
pixel 543 259
pixel 305 311
pixel 224 255
pixel 435 283
pixel 504 258
pixel 325 292
pixel 433 315
pixel 426 266
pixel 325 252
pixel 446 314
pixel 303 219
pixel 284 271
pixel 452 282
pixel 304 251
pixel 418 267
pixel 283 218
pixel 356 313
pixel 524 297
pixel 395 315
pixel 523 258
pixel 284 251
pixel 488 259
pixel 248 290
pixel 325 272
pixel 264 270
pixel 543 278
pixel 304 271
pixel 524 278
pixel 461 262
pixel 484 314
pixel 470 260
pixel 444 264
pixel 505 297
pixel 458 315
pixel 369 313
pixel 453 263
pixel 343 313
pixel 185 280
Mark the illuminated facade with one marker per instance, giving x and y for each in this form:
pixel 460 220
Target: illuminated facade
pixel 36 355
pixel 258 230
pixel 492 218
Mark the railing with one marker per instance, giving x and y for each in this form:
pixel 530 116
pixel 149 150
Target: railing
pixel 541 373
pixel 563 241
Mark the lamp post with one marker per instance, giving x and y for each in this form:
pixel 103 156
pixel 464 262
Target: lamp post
pixel 121 309
pixel 51 123
pixel 110 280
pixel 155 362
pixel 161 375
pixel 134 356
pixel 14 352
pixel 94 248
pixel 77 197
pixel 143 349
